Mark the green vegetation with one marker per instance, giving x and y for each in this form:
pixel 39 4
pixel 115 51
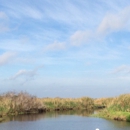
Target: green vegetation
pixel 117 108
pixel 12 103
pixel 52 104
pixel 102 102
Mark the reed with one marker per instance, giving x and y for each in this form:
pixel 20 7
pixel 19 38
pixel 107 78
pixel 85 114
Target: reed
pixel 68 103
pixel 18 103
pixel 102 102
pixel 118 108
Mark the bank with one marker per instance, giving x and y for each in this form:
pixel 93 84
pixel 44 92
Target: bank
pixel 117 108
pixel 12 103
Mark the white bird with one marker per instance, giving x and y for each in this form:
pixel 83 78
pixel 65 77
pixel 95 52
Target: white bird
pixel 97 129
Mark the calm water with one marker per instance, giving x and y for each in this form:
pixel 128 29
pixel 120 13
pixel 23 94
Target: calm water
pixel 61 121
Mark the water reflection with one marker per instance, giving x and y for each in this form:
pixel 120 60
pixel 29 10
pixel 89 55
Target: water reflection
pixel 34 117
pixel 66 120
pixel 118 124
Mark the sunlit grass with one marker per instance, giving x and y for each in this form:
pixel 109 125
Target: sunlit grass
pixel 17 103
pixel 117 108
pixel 68 103
pixel 21 103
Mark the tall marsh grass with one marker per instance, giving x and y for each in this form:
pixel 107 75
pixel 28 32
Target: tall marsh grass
pixel 18 103
pixel 117 108
pixel 121 103
pixel 102 102
pixel 68 103
pixel 21 103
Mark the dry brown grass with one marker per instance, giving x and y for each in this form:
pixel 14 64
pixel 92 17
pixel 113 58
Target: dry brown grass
pixel 19 103
pixel 103 102
pixel 68 103
pixel 117 108
pixel 16 103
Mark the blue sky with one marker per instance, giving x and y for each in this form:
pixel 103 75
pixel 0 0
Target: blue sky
pixel 66 48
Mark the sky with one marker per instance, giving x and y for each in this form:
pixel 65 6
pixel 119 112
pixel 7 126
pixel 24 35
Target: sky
pixel 65 48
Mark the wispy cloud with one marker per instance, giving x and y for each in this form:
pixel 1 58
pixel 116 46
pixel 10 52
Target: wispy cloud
pixel 17 44
pixel 121 69
pixel 71 13
pixel 26 73
pixel 22 9
pixel 3 15
pixel 83 37
pixel 4 27
pixel 33 12
pixel 80 37
pixel 55 46
pixel 6 57
pixel 114 21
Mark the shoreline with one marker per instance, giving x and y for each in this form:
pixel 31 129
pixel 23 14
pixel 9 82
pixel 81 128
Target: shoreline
pixel 116 108
pixel 114 115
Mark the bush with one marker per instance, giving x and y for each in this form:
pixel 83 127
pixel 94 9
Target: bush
pixel 17 103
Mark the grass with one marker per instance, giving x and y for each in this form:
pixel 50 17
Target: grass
pixel 102 102
pixel 117 108
pixel 52 104
pixel 12 103
pixel 17 103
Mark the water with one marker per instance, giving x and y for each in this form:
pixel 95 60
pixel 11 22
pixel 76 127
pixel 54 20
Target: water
pixel 61 121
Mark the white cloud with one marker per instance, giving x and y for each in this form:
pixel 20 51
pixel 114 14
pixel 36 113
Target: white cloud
pixel 21 44
pixel 3 15
pixel 114 22
pixel 80 37
pixel 26 73
pixel 33 13
pixel 3 22
pixel 55 46
pixel 6 57
pixel 3 28
pixel 121 69
pixel 23 9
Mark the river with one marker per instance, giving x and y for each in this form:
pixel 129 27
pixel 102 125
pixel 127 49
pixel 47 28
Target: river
pixel 61 121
